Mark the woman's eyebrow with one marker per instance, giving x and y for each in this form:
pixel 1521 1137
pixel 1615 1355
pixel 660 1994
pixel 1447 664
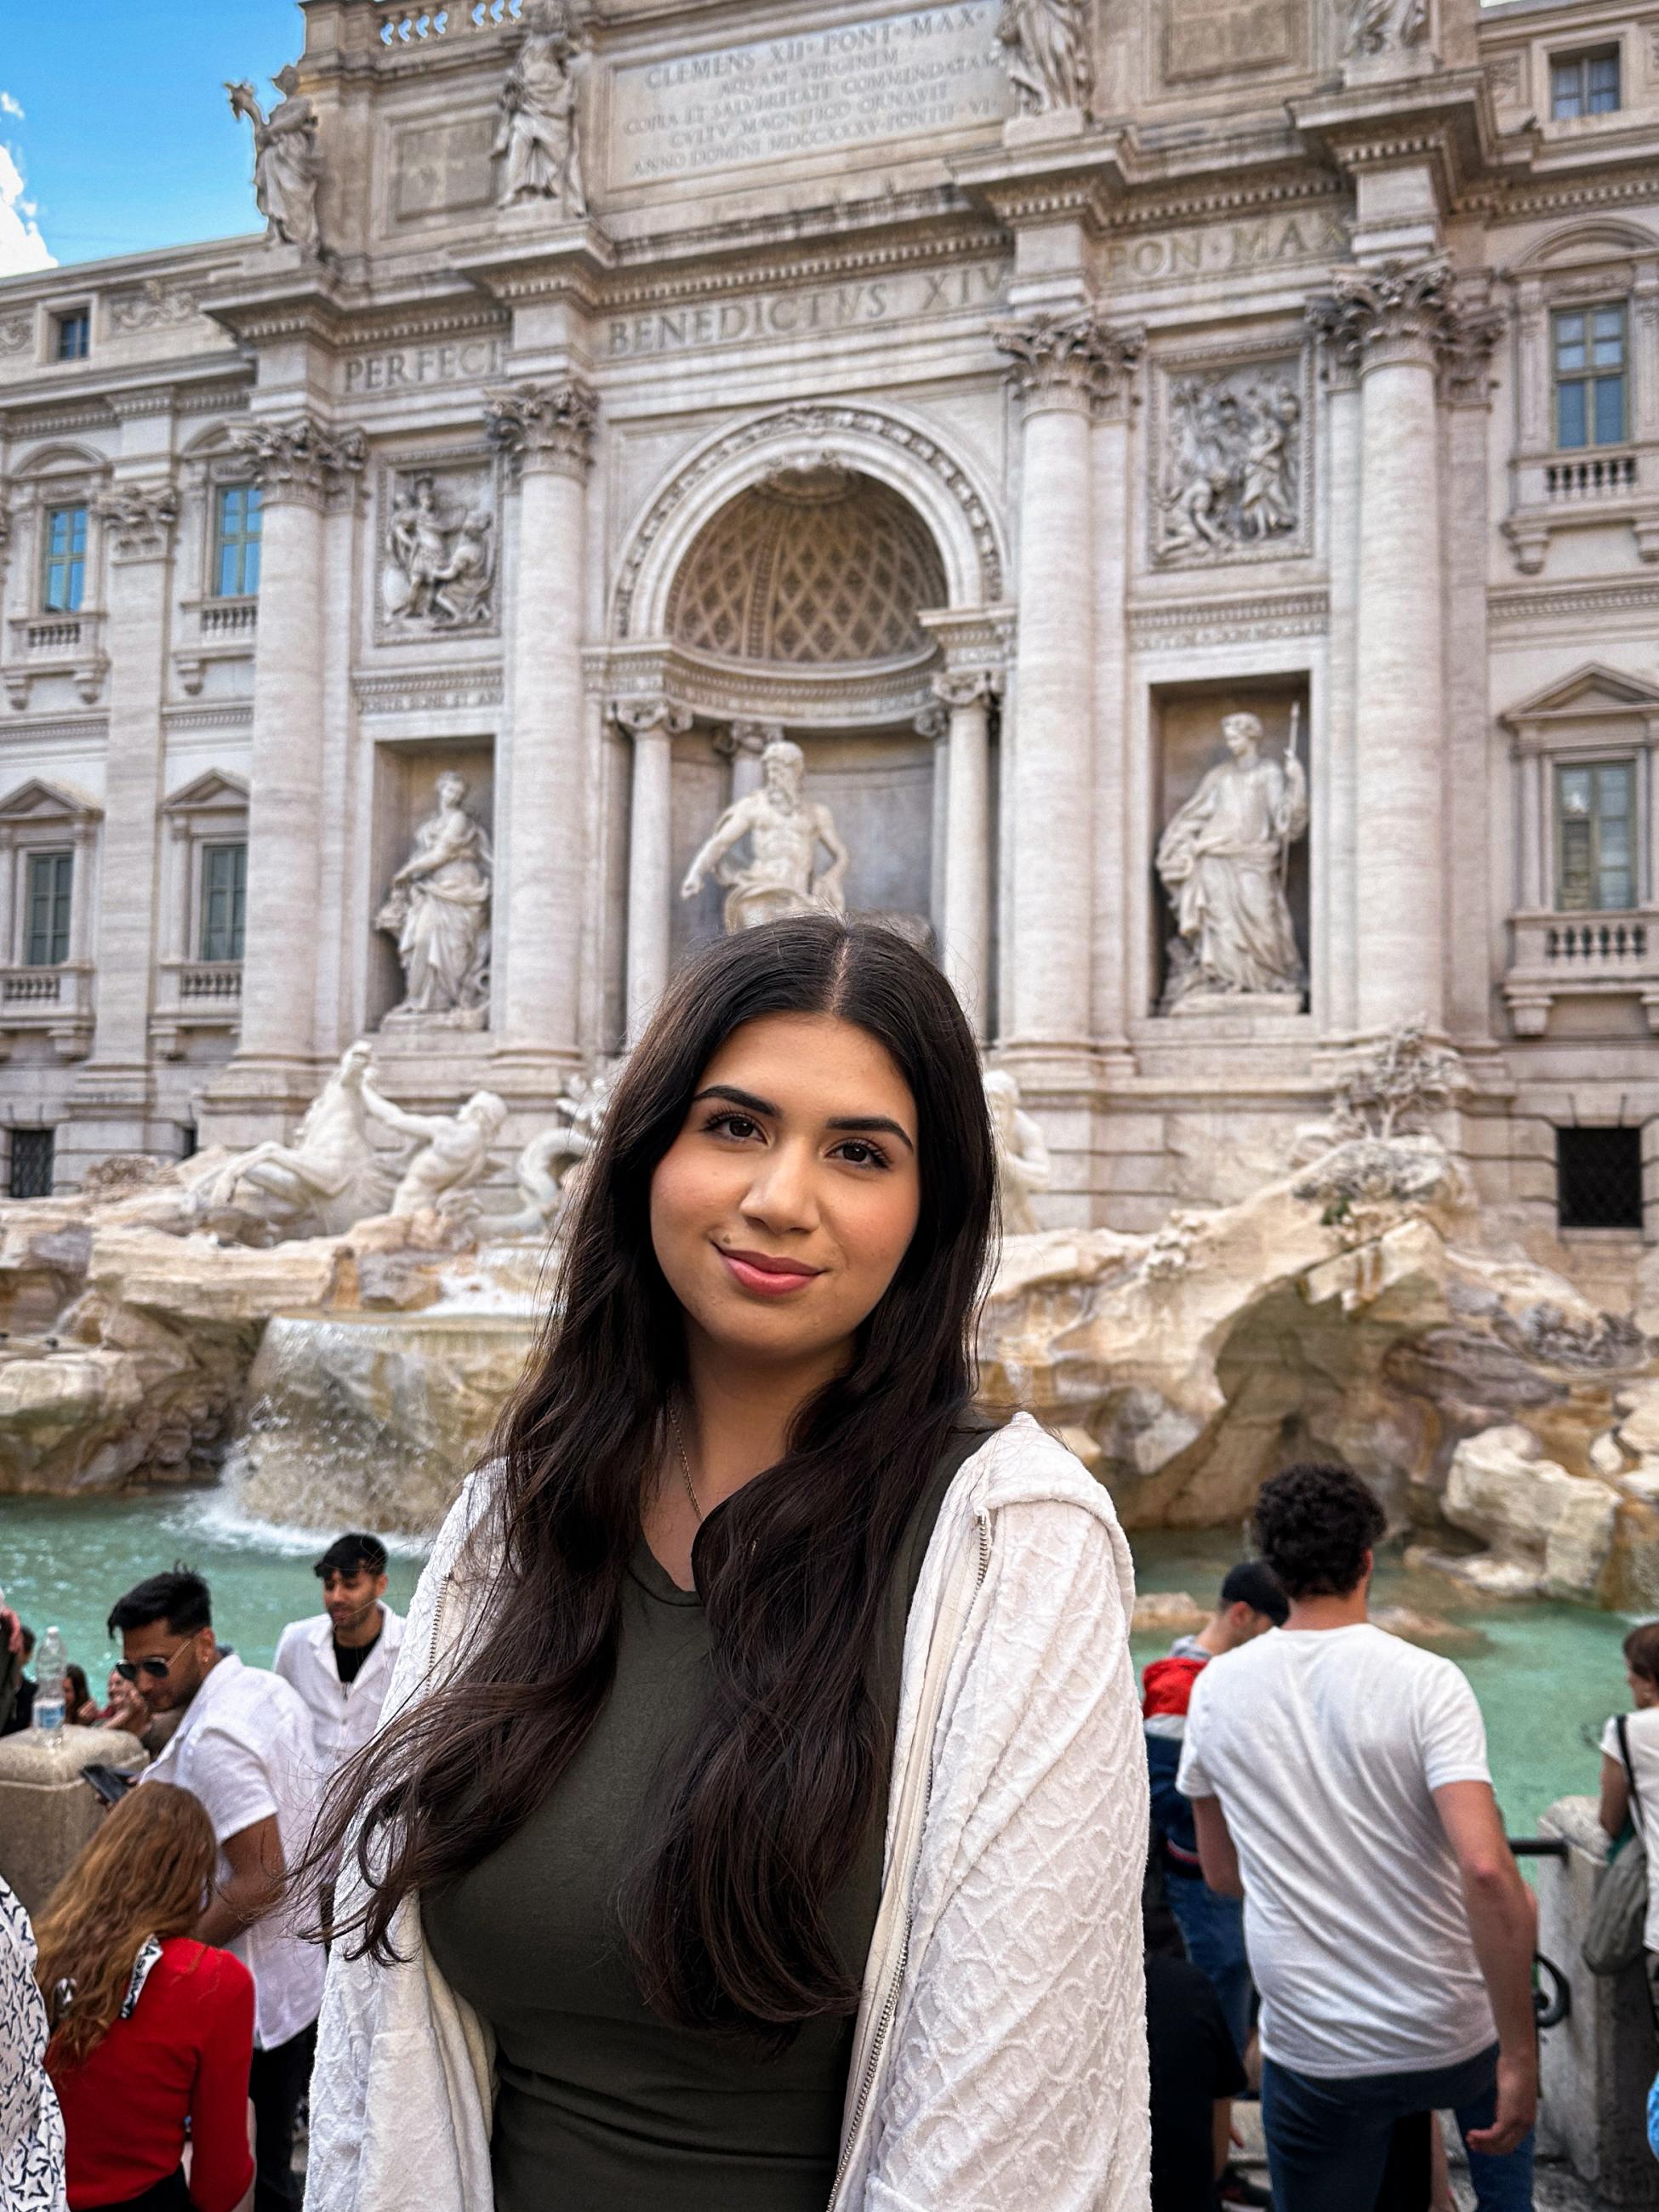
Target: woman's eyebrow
pixel 866 1122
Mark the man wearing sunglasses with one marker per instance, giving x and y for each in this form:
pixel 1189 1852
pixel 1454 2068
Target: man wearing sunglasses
pixel 243 1746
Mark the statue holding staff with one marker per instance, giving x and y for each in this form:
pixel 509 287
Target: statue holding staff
pixel 1222 861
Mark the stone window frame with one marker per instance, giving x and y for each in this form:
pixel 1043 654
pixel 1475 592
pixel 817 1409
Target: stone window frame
pixel 1574 44
pixel 1262 349
pixel 218 488
pixel 1554 488
pixel 40 818
pixel 209 628
pixel 58 476
pixel 1546 738
pixel 210 810
pixel 62 311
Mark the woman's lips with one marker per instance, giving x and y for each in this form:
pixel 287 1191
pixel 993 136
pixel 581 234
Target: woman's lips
pixel 771 1278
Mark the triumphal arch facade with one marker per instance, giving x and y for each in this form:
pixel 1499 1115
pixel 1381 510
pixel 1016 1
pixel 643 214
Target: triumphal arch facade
pixel 1171 488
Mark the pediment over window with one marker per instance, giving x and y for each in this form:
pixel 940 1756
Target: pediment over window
pixel 1593 696
pixel 1586 242
pixel 38 802
pixel 214 793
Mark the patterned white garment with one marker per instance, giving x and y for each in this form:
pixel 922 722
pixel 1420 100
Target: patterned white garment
pixel 1013 2075
pixel 31 2125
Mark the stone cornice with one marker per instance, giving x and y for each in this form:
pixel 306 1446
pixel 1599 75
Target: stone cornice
pixel 544 426
pixel 567 264
pixel 138 518
pixel 1070 360
pixel 1446 122
pixel 830 264
pixel 301 459
pixel 973 638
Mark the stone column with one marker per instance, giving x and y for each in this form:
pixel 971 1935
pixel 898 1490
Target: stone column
pixel 1064 368
pixel 546 432
pixel 968 693
pixel 653 724
pixel 304 469
pixel 1391 323
pixel 138 518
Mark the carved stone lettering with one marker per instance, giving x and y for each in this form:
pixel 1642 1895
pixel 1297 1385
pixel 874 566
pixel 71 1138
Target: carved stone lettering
pixel 771 99
pixel 440 361
pixel 691 326
pixel 1214 37
pixel 1173 256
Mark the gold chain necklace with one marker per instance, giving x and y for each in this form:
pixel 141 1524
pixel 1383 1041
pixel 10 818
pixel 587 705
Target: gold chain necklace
pixel 685 1464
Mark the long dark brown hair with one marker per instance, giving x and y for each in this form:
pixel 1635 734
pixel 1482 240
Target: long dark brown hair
pixel 773 1792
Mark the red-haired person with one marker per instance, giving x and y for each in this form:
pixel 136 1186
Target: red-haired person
pixel 150 2029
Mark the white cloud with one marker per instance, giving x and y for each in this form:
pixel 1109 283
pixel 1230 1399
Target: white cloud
pixel 10 106
pixel 21 246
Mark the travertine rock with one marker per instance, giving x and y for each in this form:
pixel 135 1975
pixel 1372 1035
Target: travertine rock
pixel 1532 1512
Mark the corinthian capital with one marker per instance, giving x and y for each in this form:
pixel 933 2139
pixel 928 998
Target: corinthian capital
pixel 968 687
pixel 1399 312
pixel 1070 360
pixel 544 426
pixel 138 518
pixel 301 459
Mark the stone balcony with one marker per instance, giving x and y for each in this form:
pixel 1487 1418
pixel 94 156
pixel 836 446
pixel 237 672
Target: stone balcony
pixel 211 630
pixel 1558 955
pixel 69 645
pixel 1603 484
pixel 55 1001
pixel 195 995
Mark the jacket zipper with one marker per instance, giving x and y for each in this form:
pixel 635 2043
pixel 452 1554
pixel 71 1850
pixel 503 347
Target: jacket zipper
pixel 896 1980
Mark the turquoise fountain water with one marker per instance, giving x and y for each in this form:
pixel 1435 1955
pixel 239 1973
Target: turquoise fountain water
pixel 1547 1675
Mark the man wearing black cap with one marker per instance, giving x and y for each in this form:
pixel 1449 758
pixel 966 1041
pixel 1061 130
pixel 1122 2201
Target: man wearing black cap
pixel 340 1660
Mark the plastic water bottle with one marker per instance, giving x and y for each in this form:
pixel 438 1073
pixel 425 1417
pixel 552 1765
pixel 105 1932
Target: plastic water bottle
pixel 49 1702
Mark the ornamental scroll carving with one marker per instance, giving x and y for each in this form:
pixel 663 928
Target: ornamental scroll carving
pixel 138 518
pixel 1230 474
pixel 544 426
pixel 1047 44
pixel 301 459
pixel 154 306
pixel 1076 359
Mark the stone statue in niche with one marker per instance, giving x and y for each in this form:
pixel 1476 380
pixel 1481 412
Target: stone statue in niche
pixel 1222 861
pixel 288 167
pixel 1046 43
pixel 1023 1162
pixel 1232 466
pixel 785 830
pixel 438 909
pixel 1381 26
pixel 537 136
pixel 439 570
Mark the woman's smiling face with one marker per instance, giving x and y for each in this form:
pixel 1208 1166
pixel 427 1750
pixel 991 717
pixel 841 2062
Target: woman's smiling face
pixel 782 1210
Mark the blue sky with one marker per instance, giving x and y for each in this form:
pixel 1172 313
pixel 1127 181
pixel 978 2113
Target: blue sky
pixel 114 132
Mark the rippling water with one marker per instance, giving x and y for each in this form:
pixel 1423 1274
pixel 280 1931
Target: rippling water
pixel 1547 1675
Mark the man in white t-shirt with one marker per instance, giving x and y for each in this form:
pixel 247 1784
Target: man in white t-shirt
pixel 340 1661
pixel 1638 1742
pixel 243 1746
pixel 1339 1783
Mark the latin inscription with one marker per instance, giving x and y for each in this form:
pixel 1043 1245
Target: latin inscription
pixel 891 77
pixel 684 327
pixel 1227 248
pixel 402 367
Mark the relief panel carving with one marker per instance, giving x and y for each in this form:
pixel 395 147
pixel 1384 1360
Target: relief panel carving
pixel 1229 458
pixel 438 551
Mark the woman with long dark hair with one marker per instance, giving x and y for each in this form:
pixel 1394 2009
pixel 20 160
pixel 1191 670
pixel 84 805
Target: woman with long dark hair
pixel 152 2032
pixel 760 1815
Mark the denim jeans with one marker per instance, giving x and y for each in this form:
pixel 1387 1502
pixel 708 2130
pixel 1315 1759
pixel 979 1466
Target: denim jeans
pixel 1212 1928
pixel 1328 2141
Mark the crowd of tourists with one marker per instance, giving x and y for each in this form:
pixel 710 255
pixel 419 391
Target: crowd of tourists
pixel 753 1814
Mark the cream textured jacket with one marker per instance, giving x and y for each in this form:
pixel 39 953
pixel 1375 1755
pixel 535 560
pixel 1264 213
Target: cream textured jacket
pixel 1000 2058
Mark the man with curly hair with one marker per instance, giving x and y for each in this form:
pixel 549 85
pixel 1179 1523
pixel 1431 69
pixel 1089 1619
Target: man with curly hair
pixel 1340 1785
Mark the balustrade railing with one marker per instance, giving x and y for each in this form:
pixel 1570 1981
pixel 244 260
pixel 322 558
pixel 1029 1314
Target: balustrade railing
pixel 229 617
pixel 1602 940
pixel 220 980
pixel 1590 476
pixel 30 986
pixel 407 26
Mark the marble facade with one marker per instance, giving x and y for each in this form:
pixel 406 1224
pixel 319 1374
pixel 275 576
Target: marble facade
pixel 989 400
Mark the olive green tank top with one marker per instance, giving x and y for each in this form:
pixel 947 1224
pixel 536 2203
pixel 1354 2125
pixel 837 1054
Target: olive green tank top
pixel 600 2105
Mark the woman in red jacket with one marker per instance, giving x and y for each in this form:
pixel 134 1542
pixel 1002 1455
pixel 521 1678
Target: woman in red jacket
pixel 150 2029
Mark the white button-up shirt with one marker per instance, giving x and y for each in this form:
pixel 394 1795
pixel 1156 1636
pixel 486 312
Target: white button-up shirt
pixel 244 1749
pixel 343 1714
